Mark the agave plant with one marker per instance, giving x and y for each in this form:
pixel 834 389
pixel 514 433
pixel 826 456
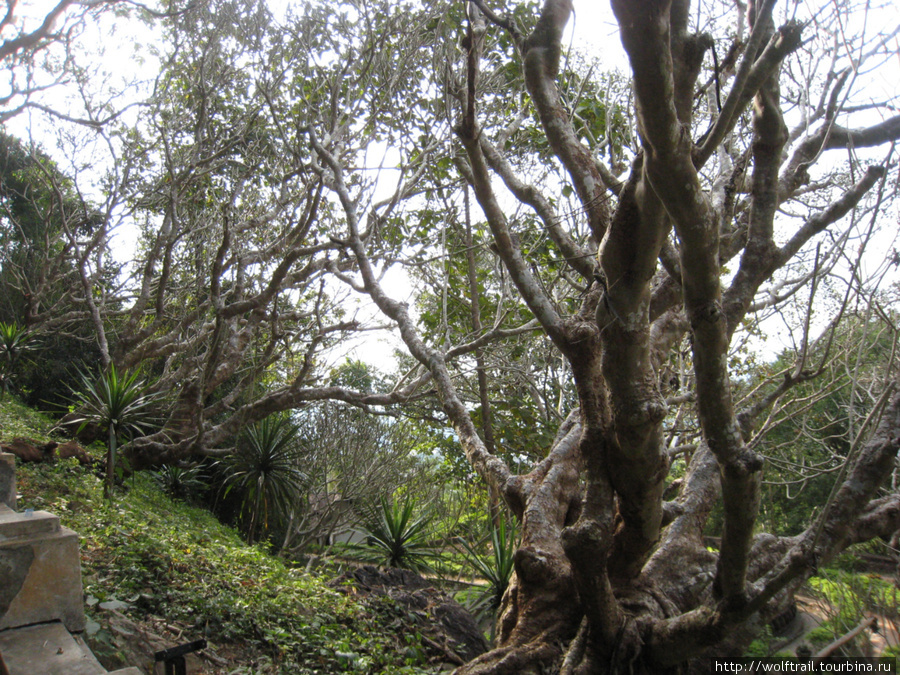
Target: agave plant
pixel 496 568
pixel 14 341
pixel 120 404
pixel 265 471
pixel 394 538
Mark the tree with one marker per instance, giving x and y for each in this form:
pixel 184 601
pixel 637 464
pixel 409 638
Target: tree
pixel 642 232
pixel 225 297
pixel 351 459
pixel 26 52
pixel 812 428
pixel 39 279
pixel 610 576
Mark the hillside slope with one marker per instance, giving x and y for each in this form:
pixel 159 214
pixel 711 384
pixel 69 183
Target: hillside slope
pixel 158 572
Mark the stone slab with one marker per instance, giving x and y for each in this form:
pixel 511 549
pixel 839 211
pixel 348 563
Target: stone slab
pixel 14 525
pixel 47 649
pixel 41 581
pixel 127 671
pixel 8 479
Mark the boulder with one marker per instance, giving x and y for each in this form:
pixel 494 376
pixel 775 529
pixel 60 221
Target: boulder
pixel 28 450
pixel 447 627
pixel 73 425
pixel 72 449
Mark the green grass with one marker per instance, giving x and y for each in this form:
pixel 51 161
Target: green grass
pixel 178 562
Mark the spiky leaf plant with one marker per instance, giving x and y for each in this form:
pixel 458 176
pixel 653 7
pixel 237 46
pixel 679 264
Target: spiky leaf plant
pixel 119 403
pixel 14 341
pixel 265 471
pixel 496 567
pixel 183 483
pixel 395 537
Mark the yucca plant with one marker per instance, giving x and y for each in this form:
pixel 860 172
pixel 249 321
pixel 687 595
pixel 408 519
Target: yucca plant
pixel 14 341
pixel 395 538
pixel 118 403
pixel 496 568
pixel 265 471
pixel 183 483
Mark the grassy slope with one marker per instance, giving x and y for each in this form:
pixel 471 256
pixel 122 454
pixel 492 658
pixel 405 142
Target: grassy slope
pixel 177 562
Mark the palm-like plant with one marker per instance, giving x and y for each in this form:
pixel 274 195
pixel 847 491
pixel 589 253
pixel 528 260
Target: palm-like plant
pixel 395 538
pixel 14 341
pixel 118 403
pixel 265 471
pixel 496 568
pixel 183 483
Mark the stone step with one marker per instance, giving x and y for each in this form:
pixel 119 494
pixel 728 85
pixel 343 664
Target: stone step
pixel 15 525
pixel 47 649
pixel 41 580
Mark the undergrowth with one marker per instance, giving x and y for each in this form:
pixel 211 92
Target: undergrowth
pixel 171 560
pixel 18 420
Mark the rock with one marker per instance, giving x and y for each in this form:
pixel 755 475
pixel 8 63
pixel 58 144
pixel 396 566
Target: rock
pixel 117 605
pixel 448 627
pixel 85 432
pixel 28 450
pixel 72 449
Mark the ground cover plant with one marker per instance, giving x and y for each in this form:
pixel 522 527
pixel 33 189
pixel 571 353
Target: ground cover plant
pixel 165 558
pixel 19 420
pixel 175 561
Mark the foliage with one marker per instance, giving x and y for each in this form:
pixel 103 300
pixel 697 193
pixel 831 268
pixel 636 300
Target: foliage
pixel 265 473
pixel 847 368
pixel 120 404
pixel 496 567
pixel 176 561
pixel 47 378
pixel 14 341
pixel 184 483
pixel 850 597
pixel 17 419
pixel 760 646
pixel 351 459
pixel 577 299
pixel 38 281
pixel 396 537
